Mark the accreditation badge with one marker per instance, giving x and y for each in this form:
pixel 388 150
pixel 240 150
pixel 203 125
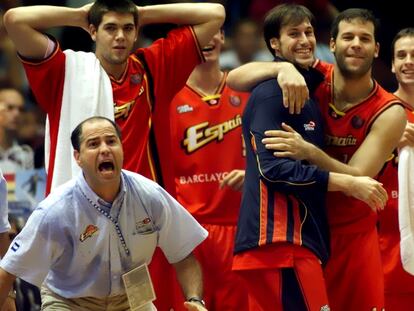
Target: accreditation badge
pixel 139 289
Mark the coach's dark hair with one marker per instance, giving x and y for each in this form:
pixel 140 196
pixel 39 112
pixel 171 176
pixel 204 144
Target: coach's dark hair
pixel 348 15
pixel 101 7
pixel 405 32
pixel 75 137
pixel 282 15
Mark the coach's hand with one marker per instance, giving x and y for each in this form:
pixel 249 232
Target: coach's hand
pixel 194 306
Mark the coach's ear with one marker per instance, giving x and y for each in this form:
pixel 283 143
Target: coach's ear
pixel 76 155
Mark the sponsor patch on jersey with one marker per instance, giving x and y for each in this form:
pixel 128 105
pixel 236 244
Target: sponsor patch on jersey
pixel 340 141
pixel 136 78
pixel 235 100
pixel 309 126
pixel 357 122
pixel 201 134
pixel 184 108
pixel 15 247
pixel 212 100
pixel 122 111
pixel 203 178
pixel 144 226
pixel 90 230
pixel 325 308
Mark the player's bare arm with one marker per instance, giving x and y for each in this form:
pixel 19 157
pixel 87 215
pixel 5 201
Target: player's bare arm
pixel 290 144
pixel 24 25
pixel 382 139
pixel 368 160
pixel 190 277
pixel 206 18
pixel 292 83
pixel 362 188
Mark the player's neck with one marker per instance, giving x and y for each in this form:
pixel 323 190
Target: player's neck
pixel 114 70
pixel 406 93
pixel 206 78
pixel 349 92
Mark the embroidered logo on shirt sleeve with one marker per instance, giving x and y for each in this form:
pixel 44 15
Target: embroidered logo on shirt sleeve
pixel 15 246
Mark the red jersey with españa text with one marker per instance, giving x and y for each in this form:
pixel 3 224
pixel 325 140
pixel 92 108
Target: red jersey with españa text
pixel 344 134
pixel 207 144
pixel 397 280
pixel 151 79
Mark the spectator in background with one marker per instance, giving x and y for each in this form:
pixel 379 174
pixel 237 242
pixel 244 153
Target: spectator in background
pixel 13 157
pixel 245 46
pixel 32 133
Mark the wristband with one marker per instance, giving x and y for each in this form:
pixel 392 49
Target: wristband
pixel 198 300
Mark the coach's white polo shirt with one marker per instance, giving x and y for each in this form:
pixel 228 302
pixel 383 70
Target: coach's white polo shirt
pixel 4 220
pixel 81 245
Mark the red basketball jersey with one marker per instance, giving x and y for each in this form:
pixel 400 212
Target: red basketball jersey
pixel 152 77
pixel 206 143
pixel 344 133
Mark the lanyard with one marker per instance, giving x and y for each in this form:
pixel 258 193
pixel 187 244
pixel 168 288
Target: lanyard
pixel 114 221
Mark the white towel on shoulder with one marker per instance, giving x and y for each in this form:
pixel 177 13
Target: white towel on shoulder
pixel 87 92
pixel 406 206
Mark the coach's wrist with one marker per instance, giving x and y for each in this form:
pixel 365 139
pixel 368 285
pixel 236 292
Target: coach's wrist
pixel 12 294
pixel 197 300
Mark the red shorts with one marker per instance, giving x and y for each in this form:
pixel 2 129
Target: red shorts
pixel 353 274
pixel 297 285
pixel 399 302
pixel 399 284
pixel 223 289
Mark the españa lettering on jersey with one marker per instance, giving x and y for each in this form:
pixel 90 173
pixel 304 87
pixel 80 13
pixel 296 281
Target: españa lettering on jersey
pixel 206 144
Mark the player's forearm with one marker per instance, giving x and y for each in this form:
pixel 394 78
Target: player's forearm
pixel 339 182
pixel 41 17
pixel 24 26
pixel 190 277
pixel 319 158
pixel 181 13
pixel 247 76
